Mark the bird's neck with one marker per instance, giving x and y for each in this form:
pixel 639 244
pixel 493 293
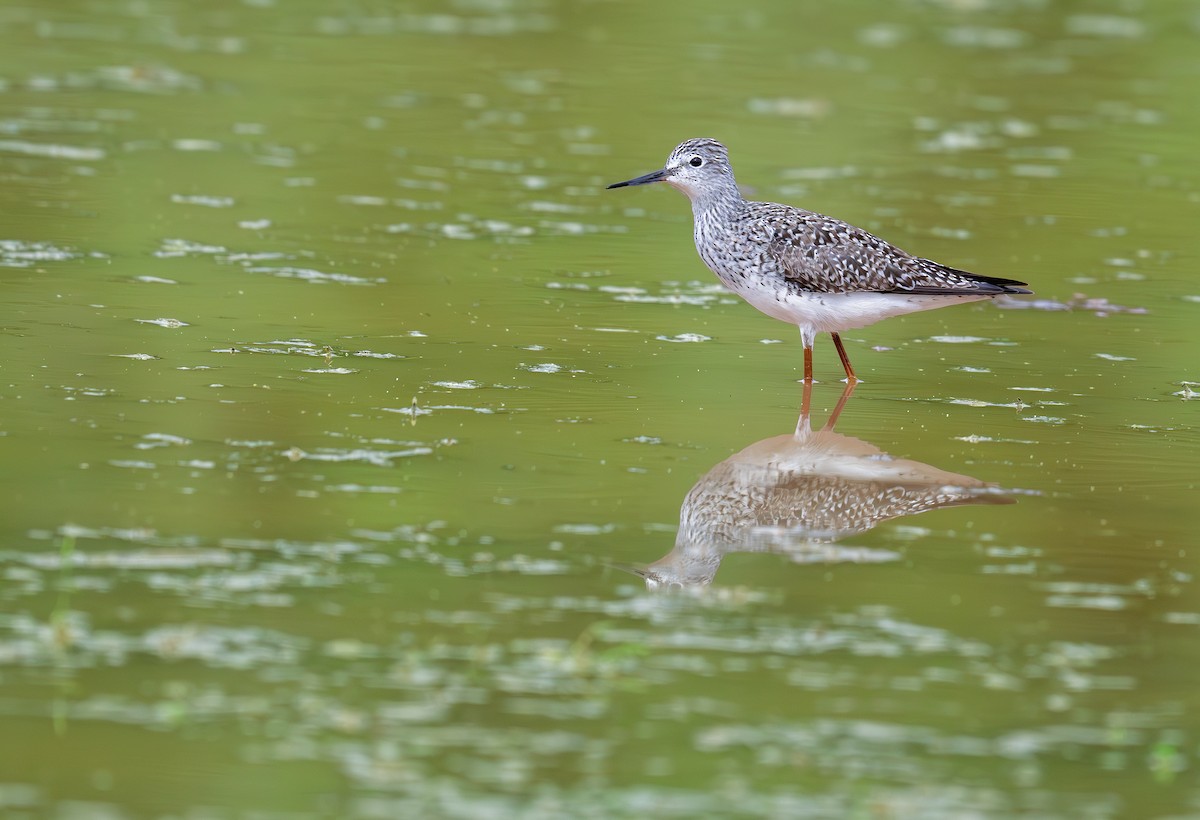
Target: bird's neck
pixel 718 204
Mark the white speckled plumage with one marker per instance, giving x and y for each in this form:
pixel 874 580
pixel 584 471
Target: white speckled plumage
pixel 813 271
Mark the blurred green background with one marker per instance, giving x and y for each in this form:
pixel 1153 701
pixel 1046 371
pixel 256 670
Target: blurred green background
pixel 336 392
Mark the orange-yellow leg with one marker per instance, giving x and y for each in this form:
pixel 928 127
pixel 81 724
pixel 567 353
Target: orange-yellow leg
pixel 808 365
pixel 837 342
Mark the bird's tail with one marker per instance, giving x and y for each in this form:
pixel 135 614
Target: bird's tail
pixel 1001 285
pixel 967 283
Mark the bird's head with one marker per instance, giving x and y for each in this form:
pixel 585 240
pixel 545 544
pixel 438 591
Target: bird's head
pixel 697 167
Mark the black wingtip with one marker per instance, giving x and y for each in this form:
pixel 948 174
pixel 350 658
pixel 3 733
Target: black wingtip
pixel 1011 286
pixel 976 285
pixel 1001 285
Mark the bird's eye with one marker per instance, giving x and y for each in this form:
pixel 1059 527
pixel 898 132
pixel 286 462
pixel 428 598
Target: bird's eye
pixel 695 162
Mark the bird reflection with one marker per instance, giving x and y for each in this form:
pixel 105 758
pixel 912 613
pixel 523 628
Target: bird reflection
pixel 797 494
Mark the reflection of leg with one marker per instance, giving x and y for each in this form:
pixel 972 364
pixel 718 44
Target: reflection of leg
pixel 837 342
pixel 803 427
pixel 841 405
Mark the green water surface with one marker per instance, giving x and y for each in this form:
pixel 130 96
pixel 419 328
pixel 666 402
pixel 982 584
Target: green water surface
pixel 338 399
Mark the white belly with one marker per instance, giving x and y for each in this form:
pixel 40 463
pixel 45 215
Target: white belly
pixel 834 312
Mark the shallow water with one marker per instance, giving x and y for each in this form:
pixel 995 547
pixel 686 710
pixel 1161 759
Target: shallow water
pixel 339 399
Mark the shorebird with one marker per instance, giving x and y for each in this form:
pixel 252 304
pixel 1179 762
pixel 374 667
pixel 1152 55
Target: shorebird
pixel 807 269
pixel 797 495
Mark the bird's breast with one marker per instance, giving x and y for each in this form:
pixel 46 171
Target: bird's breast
pixel 733 257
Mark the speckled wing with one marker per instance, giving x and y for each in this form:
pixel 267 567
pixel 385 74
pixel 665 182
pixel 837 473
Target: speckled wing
pixel 824 255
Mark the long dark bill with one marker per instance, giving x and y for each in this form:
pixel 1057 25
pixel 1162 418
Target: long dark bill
pixel 653 176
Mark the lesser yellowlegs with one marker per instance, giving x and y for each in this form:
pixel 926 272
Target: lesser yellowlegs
pixel 810 270
pixel 798 495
